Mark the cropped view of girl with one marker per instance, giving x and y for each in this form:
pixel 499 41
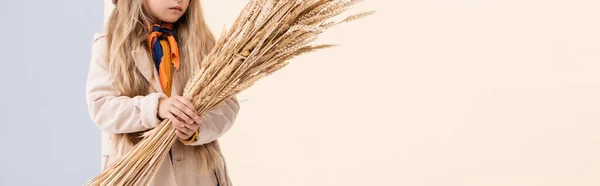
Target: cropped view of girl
pixel 138 71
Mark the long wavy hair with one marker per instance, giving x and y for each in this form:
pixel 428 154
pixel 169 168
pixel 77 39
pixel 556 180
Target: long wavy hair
pixel 127 29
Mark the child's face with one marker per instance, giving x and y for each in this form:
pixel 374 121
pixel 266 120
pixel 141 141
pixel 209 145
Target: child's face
pixel 167 10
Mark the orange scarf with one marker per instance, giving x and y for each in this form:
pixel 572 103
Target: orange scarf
pixel 160 46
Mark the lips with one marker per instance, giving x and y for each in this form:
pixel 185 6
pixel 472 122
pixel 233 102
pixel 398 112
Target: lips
pixel 177 8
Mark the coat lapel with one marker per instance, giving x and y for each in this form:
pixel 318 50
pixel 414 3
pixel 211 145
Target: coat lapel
pixel 146 67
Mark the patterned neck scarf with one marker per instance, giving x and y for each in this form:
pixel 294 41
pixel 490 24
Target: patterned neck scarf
pixel 161 41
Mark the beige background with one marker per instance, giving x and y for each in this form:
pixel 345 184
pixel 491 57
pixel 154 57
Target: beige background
pixel 430 93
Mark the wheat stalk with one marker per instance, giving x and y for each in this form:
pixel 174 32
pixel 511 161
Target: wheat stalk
pixel 266 34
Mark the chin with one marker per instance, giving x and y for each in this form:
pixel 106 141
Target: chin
pixel 170 19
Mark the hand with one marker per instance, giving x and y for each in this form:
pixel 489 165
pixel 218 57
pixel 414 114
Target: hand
pixel 182 114
pixel 185 132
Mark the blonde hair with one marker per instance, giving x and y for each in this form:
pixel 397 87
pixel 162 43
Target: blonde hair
pixel 127 30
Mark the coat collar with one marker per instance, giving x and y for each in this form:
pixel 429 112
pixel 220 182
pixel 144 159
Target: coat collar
pixel 146 67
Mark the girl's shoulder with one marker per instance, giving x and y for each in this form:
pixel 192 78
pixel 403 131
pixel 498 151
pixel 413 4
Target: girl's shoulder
pixel 98 36
pixel 99 44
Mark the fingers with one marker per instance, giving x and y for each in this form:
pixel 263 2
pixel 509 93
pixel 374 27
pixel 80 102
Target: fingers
pixel 175 111
pixel 181 129
pixel 176 122
pixel 189 129
pixel 189 109
pixel 183 116
pixel 194 126
pixel 180 134
pixel 199 120
pixel 185 130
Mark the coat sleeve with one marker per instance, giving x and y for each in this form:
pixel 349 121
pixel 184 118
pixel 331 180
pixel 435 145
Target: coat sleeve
pixel 110 111
pixel 216 122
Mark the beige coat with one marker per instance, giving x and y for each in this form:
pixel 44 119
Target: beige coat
pixel 113 113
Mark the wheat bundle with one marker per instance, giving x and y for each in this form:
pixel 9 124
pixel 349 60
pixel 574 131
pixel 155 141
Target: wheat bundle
pixel 262 39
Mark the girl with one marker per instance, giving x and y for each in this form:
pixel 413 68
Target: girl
pixel 137 74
